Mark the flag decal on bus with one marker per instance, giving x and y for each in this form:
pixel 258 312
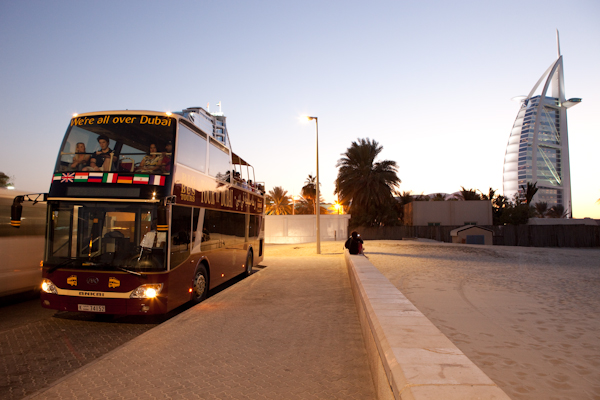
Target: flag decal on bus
pixel 81 177
pixel 141 179
pixel 110 178
pixel 68 177
pixel 157 180
pixel 95 177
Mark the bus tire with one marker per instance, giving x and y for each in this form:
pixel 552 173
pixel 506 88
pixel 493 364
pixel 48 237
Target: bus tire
pixel 249 263
pixel 200 284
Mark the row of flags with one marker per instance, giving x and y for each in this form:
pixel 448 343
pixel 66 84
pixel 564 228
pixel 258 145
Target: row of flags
pixel 109 177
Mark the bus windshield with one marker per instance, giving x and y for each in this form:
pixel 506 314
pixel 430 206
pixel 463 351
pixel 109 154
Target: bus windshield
pixel 118 143
pixel 97 235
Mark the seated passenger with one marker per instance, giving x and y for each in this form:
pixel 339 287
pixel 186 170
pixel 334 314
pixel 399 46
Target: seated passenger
pixel 103 158
pixel 237 178
pixel 152 162
pixel 167 156
pixel 80 160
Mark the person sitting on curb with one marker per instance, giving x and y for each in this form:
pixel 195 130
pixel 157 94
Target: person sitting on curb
pixel 354 243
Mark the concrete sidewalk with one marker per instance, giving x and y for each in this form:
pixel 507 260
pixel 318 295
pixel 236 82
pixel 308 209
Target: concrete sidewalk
pixel 290 331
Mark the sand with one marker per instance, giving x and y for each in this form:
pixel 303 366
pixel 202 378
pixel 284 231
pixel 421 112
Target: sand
pixel 528 317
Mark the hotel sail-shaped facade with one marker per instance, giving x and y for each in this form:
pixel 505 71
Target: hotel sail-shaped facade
pixel 538 147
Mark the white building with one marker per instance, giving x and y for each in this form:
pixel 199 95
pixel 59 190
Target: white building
pixel 538 147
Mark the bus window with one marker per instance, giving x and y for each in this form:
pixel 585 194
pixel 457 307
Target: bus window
pixel 253 227
pixel 129 138
pixel 218 161
pixel 103 235
pixel 181 232
pixel 191 149
pixel 129 157
pixel 224 228
pixel 61 225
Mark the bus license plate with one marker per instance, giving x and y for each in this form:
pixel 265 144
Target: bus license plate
pixel 87 307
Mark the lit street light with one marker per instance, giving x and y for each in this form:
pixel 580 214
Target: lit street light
pixel 317 205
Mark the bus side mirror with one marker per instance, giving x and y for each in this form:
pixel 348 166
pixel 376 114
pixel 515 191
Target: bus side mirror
pixel 162 224
pixel 15 212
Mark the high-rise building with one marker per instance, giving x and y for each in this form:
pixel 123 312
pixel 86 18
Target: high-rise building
pixel 538 147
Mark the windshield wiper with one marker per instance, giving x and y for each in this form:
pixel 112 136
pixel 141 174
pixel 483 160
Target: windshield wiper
pixel 62 264
pixel 132 272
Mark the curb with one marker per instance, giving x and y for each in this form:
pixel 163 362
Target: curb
pixel 410 358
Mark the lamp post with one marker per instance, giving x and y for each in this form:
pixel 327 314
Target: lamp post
pixel 317 202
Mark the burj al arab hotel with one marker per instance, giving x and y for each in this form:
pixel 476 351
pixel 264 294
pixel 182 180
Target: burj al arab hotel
pixel 538 147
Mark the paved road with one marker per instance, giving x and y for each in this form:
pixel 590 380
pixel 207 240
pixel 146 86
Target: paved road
pixel 290 331
pixel 38 346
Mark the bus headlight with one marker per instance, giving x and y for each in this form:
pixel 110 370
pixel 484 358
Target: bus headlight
pixel 147 291
pixel 48 286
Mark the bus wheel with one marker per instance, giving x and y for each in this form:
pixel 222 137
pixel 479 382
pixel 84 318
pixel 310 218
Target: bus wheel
pixel 200 284
pixel 249 262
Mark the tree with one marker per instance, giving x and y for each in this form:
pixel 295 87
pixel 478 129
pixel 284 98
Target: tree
pixel 541 208
pixel 499 204
pixel 421 197
pixel 437 197
pixel 468 194
pixel 557 211
pixel 309 194
pixel 516 212
pixel 367 186
pixel 403 198
pixel 490 196
pixel 278 202
pixel 529 191
pixel 5 180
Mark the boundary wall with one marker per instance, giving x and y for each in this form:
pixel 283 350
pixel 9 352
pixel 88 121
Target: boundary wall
pixel 410 359
pixel 288 229
pixel 504 235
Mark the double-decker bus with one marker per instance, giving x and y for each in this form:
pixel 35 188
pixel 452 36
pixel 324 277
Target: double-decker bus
pixel 147 211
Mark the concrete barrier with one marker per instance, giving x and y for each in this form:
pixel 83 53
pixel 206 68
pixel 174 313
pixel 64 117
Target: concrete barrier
pixel 410 359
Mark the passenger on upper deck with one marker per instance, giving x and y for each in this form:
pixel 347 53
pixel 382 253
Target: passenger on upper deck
pixel 80 159
pixel 167 156
pixel 152 162
pixel 103 158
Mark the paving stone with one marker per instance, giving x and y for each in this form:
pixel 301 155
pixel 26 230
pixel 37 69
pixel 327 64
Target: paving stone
pixel 290 331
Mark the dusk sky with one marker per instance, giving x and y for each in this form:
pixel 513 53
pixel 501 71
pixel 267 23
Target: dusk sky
pixel 431 81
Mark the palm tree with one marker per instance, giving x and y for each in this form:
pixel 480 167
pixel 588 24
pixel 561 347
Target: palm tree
pixel 421 197
pixel 437 197
pixel 490 196
pixel 541 208
pixel 4 180
pixel 405 198
pixel 309 194
pixel 367 186
pixel 557 211
pixel 402 199
pixel 278 202
pixel 529 191
pixel 467 194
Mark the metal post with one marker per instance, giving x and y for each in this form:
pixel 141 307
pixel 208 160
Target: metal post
pixel 318 210
pixel 317 202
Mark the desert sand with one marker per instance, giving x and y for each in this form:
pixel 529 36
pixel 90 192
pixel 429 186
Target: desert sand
pixel 528 317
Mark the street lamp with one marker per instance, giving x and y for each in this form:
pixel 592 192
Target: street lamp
pixel 294 197
pixel 317 205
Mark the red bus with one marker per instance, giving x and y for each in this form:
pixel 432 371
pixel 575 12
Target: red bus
pixel 147 211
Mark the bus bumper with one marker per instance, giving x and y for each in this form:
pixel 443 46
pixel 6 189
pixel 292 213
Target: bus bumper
pixel 156 305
